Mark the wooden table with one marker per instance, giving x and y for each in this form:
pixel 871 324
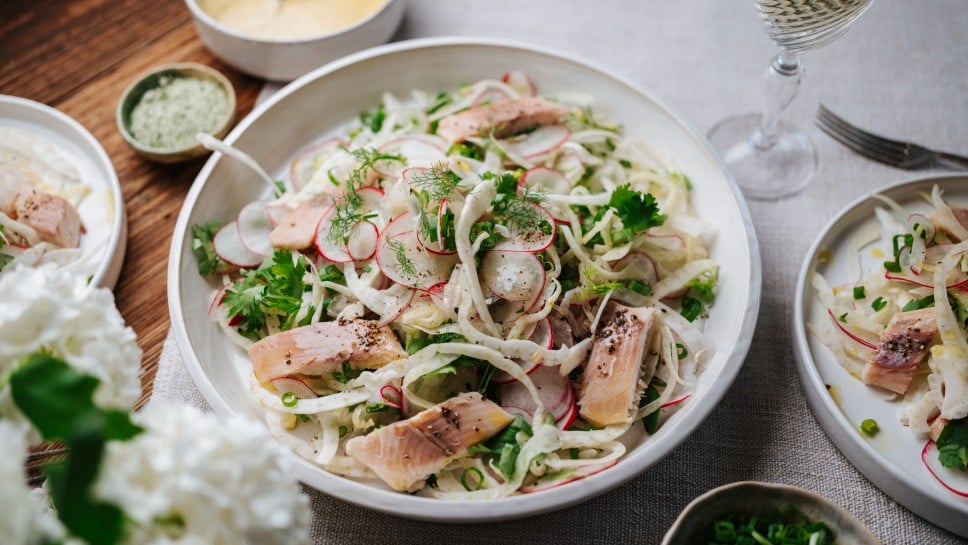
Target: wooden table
pixel 78 57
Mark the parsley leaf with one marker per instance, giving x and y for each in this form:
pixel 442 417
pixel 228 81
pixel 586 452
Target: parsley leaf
pixel 504 446
pixel 953 445
pixel 638 211
pixel 274 289
pixel 208 261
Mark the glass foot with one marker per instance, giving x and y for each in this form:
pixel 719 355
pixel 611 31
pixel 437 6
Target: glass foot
pixel 764 171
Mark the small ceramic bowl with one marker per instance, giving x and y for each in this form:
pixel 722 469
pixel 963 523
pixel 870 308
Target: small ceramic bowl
pixel 150 80
pixel 285 60
pixel 756 498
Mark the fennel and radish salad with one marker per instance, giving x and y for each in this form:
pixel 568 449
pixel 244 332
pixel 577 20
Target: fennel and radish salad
pixel 901 325
pixel 495 238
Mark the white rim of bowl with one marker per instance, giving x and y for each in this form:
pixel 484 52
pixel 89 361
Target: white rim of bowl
pixel 197 11
pixel 513 507
pixel 109 269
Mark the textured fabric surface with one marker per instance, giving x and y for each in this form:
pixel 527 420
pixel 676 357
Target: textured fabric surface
pixel 901 70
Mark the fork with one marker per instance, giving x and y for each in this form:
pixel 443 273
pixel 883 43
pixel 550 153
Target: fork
pixel 905 155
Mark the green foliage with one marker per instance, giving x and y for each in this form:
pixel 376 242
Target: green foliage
pixel 638 211
pixel 953 445
pixel 208 261
pixel 59 401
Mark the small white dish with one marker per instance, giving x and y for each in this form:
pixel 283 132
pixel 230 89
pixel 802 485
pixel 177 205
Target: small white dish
pixel 286 60
pixel 892 458
pixel 102 211
pixel 754 498
pixel 326 100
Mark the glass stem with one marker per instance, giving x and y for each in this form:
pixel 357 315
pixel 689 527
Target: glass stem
pixel 782 82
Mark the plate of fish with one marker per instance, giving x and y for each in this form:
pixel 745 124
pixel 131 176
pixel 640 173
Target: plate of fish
pixel 879 329
pixel 465 280
pixel 60 199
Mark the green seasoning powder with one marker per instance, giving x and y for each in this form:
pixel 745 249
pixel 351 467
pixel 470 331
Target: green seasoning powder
pixel 169 115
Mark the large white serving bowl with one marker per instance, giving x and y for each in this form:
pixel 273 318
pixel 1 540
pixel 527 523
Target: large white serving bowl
pixel 102 210
pixel 285 60
pixel 329 98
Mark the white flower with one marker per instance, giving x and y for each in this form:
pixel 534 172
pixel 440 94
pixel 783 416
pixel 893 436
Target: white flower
pixel 51 309
pixel 22 518
pixel 193 478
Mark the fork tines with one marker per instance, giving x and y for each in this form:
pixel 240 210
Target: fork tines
pixel 871 145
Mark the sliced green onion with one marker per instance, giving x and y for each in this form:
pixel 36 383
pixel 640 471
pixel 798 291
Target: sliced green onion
pixel 682 351
pixel 859 292
pixel 477 473
pixel 869 427
pixel 289 399
pixel 878 304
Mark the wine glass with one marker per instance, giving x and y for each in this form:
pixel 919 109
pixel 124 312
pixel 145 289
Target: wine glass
pixel 768 157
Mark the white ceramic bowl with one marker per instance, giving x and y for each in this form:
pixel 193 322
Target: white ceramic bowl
pixel 285 60
pixel 329 98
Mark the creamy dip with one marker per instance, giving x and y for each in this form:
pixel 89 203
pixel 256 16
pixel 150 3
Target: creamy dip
pixel 289 19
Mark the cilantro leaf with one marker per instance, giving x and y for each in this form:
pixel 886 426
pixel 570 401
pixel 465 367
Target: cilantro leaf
pixel 208 261
pixel 638 211
pixel 953 445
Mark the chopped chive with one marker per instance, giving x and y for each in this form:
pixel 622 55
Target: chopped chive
pixel 289 399
pixel 859 292
pixel 640 288
pixel 843 317
pixel 892 266
pixel 682 351
pixel 918 304
pixel 869 427
pixel 878 304
pixel 343 431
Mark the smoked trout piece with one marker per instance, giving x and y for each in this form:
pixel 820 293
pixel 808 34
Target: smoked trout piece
pixel 902 347
pixel 405 453
pixel 52 217
pixel 607 394
pixel 319 349
pixel 501 119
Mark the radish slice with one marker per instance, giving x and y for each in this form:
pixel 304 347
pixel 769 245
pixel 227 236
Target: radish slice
pixel 362 241
pixel 372 197
pixel 675 402
pixel 217 299
pixel 914 279
pixel 929 456
pixel 562 479
pixel 414 149
pixel 520 82
pixel 543 334
pixel 555 392
pixel 491 95
pixel 276 213
pixel 228 245
pixel 254 228
pixel 294 385
pixel 400 224
pixel 666 241
pixel 530 239
pixel 848 333
pixel 535 144
pixel 330 250
pixel 546 180
pixel 303 167
pixel 405 261
pixel 640 265
pixel 513 276
pixel 395 304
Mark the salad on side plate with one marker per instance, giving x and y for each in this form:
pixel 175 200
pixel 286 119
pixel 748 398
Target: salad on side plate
pixel 902 327
pixel 467 294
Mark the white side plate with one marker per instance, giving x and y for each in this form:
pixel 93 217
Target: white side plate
pixel 102 211
pixel 892 458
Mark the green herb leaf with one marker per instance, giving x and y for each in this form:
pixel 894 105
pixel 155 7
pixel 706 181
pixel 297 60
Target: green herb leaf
pixel 504 446
pixel 878 304
pixel 373 120
pixel 651 420
pixel 953 445
pixel 638 211
pixel 859 292
pixel 691 308
pixel 208 261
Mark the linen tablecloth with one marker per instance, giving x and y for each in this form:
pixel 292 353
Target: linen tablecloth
pixel 901 70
